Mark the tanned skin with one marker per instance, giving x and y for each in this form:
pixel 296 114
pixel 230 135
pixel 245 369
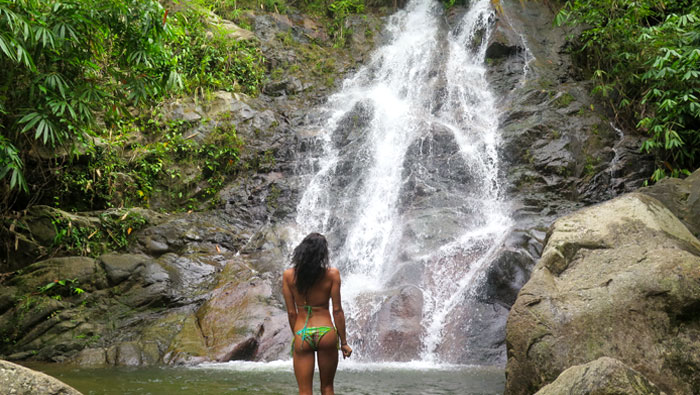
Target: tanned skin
pixel 325 289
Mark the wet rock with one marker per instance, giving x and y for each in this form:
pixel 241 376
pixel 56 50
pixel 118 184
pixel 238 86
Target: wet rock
pixel 505 276
pixel 119 267
pixel 240 317
pixel 16 379
pixel 156 247
pixel 363 31
pixel 84 270
pixel 93 357
pixel 602 376
pixel 18 321
pixel 58 334
pixel 188 345
pixel 473 333
pixel 127 354
pixel 289 86
pixel 682 197
pixel 8 296
pixel 504 41
pixel 241 320
pixel 621 279
pixel 398 326
pixel 200 232
pixel 300 28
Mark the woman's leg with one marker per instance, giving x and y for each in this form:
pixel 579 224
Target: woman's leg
pixel 328 361
pixel 303 366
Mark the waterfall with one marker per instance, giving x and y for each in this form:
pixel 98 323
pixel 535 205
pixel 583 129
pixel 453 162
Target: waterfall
pixel 405 184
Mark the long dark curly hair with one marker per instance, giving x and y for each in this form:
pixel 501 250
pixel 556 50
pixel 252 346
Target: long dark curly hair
pixel 310 260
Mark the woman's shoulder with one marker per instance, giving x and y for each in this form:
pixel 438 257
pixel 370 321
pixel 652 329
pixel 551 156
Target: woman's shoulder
pixel 333 272
pixel 288 273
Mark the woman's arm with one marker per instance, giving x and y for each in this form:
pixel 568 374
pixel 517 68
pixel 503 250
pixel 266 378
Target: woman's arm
pixel 287 278
pixel 338 314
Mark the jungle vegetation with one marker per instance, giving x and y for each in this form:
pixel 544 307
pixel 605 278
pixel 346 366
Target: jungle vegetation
pixel 644 56
pixel 80 78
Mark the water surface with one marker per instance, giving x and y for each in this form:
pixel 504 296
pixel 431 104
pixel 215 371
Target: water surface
pixel 277 378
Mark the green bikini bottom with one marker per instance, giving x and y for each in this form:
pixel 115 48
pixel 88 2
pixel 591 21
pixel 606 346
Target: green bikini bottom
pixel 311 335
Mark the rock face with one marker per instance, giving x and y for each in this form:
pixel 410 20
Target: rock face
pixel 18 380
pixel 621 279
pixel 397 325
pixel 602 376
pixel 559 152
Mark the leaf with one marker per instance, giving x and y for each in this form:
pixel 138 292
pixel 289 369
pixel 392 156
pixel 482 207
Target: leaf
pixel 45 36
pixel 5 46
pixel 30 119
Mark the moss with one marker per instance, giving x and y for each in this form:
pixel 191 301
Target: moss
pixel 529 157
pixel 590 166
pixel 564 100
pixel 272 197
pixel 563 171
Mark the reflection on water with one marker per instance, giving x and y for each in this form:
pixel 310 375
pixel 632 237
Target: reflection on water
pixel 277 378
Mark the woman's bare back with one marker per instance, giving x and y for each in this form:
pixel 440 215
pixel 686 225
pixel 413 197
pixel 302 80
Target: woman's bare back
pixel 318 297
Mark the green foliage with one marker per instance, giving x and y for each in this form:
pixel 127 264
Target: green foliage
pixel 645 58
pixel 333 12
pixel 63 288
pixel 208 58
pixel 113 232
pixel 151 158
pixel 65 60
pixel 341 9
pixel 76 70
pixel 10 162
pixel 451 3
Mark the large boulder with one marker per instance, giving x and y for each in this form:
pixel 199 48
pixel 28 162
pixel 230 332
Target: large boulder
pixel 604 376
pixel 18 380
pixel 621 279
pixel 682 197
pixel 241 320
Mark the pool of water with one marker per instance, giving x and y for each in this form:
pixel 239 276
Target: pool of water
pixel 277 378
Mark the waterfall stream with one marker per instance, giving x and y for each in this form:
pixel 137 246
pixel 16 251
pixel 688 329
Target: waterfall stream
pixel 405 185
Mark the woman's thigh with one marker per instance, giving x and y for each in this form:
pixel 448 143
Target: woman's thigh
pixel 303 365
pixel 328 357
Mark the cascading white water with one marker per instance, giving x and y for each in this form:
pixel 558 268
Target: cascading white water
pixel 406 184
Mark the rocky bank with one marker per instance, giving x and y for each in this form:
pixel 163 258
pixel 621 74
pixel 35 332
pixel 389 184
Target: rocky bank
pixel 619 280
pixel 18 380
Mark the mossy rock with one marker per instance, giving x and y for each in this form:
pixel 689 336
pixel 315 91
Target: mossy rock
pixel 86 271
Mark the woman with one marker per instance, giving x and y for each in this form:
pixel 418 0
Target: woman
pixel 307 287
